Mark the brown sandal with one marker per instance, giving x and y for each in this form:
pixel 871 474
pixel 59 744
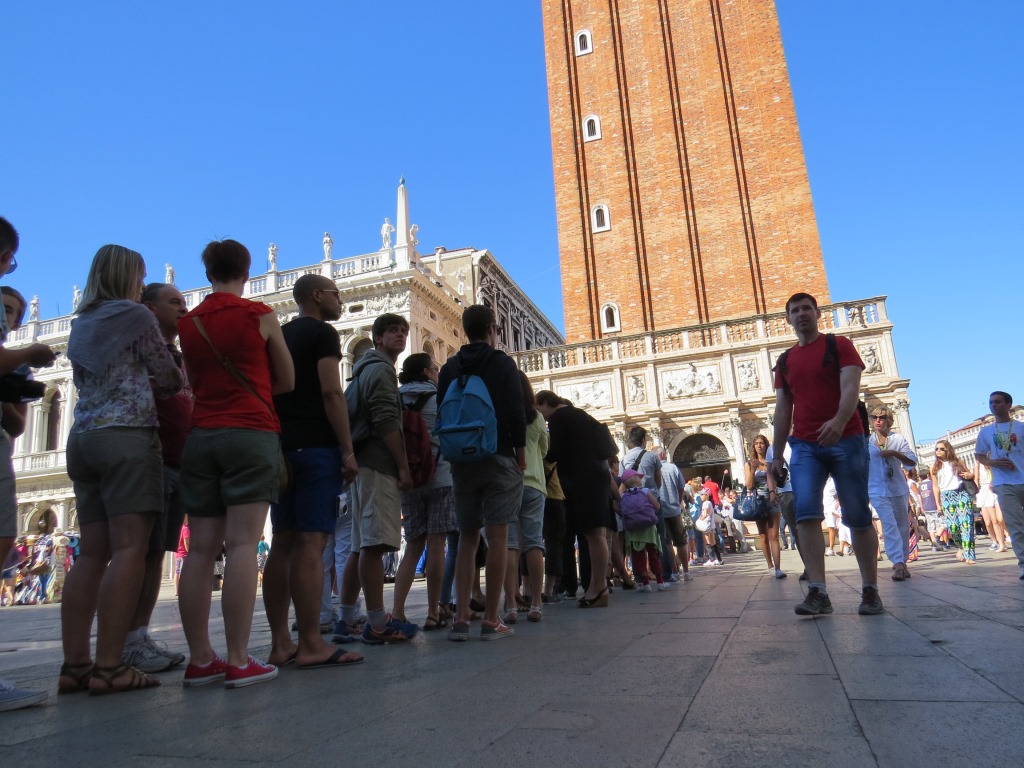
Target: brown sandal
pixel 80 673
pixel 432 623
pixel 107 675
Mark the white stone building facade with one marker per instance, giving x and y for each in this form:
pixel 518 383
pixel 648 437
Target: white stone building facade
pixel 429 292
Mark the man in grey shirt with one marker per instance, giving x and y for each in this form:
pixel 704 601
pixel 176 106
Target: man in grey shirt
pixel 673 533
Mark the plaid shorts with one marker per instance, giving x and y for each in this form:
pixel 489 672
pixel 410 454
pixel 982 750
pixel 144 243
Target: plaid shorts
pixel 428 510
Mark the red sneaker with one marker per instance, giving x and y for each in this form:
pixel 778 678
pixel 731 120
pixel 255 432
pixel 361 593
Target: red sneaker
pixel 252 673
pixel 201 674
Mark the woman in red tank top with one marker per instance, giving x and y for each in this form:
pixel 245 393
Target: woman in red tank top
pixel 237 360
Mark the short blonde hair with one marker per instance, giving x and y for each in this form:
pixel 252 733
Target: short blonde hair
pixel 882 410
pixel 116 273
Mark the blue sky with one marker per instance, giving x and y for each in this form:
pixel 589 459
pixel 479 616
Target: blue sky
pixel 162 126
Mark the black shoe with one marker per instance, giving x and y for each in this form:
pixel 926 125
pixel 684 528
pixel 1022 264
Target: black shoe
pixel 870 602
pixel 804 577
pixel 814 604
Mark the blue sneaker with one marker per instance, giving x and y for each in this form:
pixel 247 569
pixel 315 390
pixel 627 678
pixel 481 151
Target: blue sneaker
pixel 393 631
pixel 345 633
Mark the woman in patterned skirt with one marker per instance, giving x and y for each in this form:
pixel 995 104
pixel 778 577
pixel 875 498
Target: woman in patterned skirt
pixel 948 474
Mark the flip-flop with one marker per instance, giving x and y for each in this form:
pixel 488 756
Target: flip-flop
pixel 286 662
pixel 334 661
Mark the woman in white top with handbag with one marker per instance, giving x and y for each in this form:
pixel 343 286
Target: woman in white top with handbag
pixel 957 504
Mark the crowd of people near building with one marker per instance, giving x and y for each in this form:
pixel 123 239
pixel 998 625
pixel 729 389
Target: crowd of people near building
pixel 221 413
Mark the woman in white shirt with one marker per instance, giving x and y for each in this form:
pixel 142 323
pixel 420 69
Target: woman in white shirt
pixel 948 474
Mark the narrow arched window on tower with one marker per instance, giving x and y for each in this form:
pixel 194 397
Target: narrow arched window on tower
pixel 600 218
pixel 591 128
pixel 610 318
pixel 583 42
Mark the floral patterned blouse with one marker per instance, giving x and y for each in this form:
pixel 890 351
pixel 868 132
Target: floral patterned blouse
pixel 123 395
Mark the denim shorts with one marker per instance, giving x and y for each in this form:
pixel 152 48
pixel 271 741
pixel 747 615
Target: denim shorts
pixel 310 504
pixel 529 534
pixel 847 462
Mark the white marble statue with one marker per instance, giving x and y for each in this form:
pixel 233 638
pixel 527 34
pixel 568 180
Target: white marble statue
pixel 590 394
pixel 33 308
pixel 272 258
pixel 385 234
pixel 637 391
pixel 691 382
pixel 460 276
pixel 76 298
pixel 413 231
pixel 168 274
pixel 871 362
pixel 328 246
pixel 748 375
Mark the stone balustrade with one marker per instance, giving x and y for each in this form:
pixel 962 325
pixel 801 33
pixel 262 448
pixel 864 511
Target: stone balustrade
pixel 743 332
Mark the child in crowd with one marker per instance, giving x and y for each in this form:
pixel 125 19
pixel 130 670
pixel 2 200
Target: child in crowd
pixel 639 506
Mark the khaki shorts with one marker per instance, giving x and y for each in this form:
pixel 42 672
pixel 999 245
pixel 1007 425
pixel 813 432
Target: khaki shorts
pixel 376 505
pixel 228 467
pixel 116 471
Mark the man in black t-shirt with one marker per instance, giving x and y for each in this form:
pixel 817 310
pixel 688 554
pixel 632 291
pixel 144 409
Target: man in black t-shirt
pixel 318 447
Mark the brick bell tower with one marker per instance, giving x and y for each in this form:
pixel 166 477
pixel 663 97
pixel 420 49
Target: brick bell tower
pixel 680 184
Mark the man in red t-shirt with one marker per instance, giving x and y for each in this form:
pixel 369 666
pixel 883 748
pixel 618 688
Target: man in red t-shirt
pixel 712 487
pixel 817 386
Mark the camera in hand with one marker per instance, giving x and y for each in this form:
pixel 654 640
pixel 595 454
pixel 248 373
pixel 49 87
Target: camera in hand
pixel 19 387
pixel 781 478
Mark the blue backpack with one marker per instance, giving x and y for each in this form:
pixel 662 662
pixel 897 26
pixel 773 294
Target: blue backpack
pixel 467 424
pixel 636 510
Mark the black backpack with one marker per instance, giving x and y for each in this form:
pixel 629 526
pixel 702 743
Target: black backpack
pixel 831 357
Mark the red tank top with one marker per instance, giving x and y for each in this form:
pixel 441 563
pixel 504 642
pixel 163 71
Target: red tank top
pixel 233 325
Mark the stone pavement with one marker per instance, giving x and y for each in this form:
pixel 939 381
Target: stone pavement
pixel 715 672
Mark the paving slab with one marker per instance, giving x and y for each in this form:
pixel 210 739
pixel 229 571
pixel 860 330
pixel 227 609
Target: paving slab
pixel 942 733
pixel 716 671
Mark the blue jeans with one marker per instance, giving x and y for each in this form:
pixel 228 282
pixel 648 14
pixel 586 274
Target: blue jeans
pixel 847 462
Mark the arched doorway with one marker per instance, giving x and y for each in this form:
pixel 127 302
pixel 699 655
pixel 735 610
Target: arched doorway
pixel 701 455
pixel 360 349
pixel 42 521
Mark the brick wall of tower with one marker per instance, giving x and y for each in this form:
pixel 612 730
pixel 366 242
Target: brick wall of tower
pixel 700 163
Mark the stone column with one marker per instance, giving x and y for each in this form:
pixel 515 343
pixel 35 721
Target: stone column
pixel 739 450
pixel 61 508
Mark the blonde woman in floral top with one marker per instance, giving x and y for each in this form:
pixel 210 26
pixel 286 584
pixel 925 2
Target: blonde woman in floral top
pixel 118 356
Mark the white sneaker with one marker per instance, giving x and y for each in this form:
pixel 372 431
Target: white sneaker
pixel 16 698
pixel 663 587
pixel 779 573
pixel 847 551
pixel 829 552
pixel 644 588
pixel 675 578
pixel 161 647
pixel 145 658
pixel 687 576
